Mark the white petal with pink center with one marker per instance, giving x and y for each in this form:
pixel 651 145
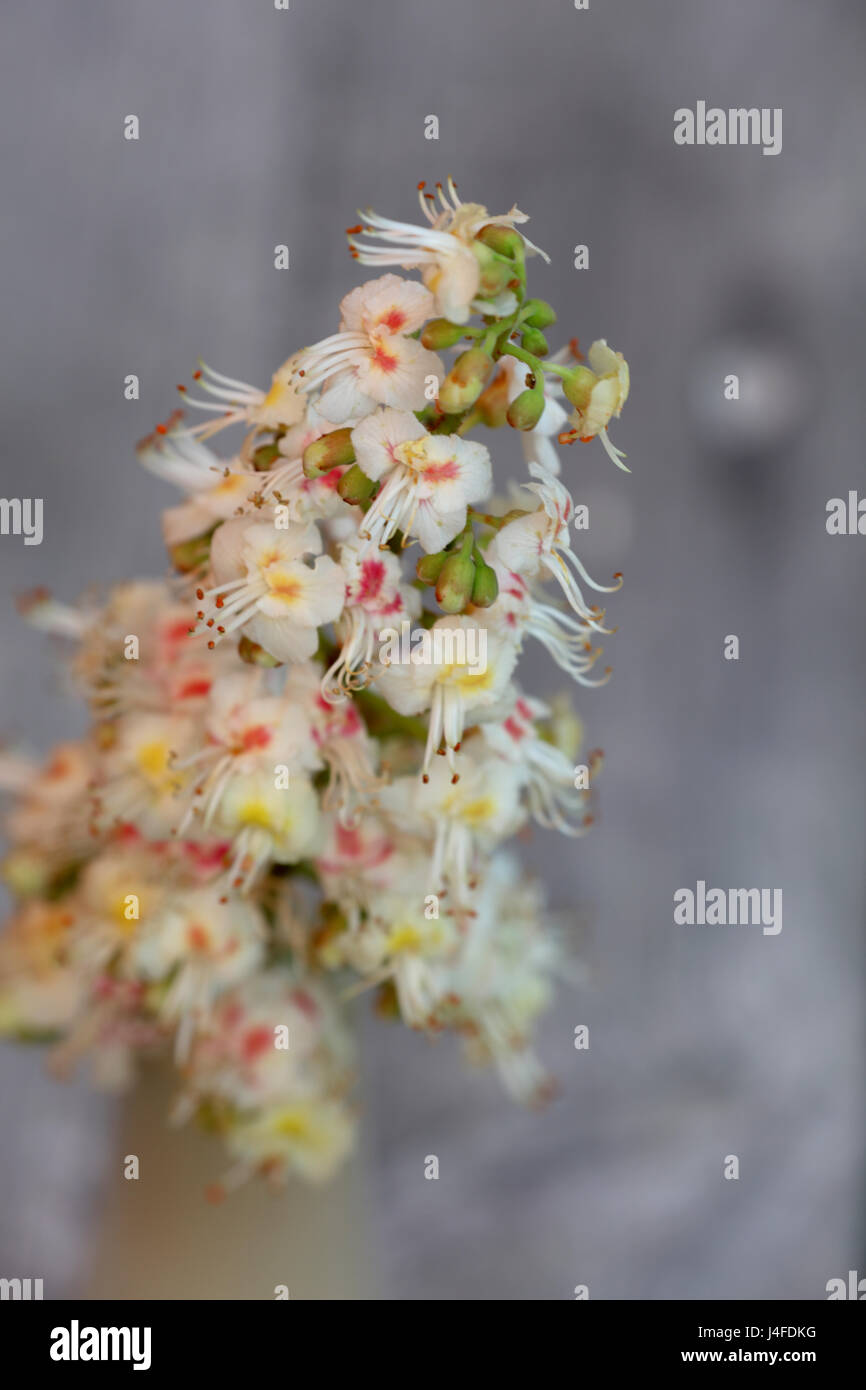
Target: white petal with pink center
pixel 375 598
pixel 372 361
pixel 428 481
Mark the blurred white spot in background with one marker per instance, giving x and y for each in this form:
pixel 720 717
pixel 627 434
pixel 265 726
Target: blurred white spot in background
pixel 773 386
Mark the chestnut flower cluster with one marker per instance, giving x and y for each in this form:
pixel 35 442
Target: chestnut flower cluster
pixel 269 814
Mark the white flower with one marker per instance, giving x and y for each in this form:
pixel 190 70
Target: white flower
pixel 598 396
pixel 427 480
pixel 267 822
pixel 309 1136
pixel 372 361
pixel 501 980
pixel 554 801
pixel 264 587
pixel 341 741
pixel 449 688
pixel 141 779
pixel 539 543
pixel 442 249
pixel 517 612
pixel 411 946
pixel 246 730
pixel 466 815
pixel 235 403
pixel 375 598
pixel 216 490
pixel 206 942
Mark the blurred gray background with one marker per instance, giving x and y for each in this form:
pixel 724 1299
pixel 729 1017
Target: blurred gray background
pixel 260 127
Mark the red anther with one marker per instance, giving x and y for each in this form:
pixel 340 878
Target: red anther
pixel 422 184
pixel 181 388
pixel 199 593
pixel 220 603
pixel 209 622
pixel 425 778
pixel 162 429
pixel 354 231
pixel 455 779
pixel 457 748
pixel 617 574
pixel 211 646
pixel 221 630
pixel 196 376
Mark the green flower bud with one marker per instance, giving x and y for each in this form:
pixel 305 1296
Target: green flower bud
pixel 254 655
pixel 24 873
pixel 465 382
pixel 497 272
pixel 429 567
pixel 439 333
pixel 485 586
pixel 455 582
pixel 504 240
pixel 578 385
pixel 264 456
pixel 535 342
pixel 355 487
pixel 191 555
pixel 537 313
pixel 333 450
pixel 526 410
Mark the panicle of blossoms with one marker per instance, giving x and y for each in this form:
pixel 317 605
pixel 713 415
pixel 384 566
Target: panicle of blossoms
pixel 308 753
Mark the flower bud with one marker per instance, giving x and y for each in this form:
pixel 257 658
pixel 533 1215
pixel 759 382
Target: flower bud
pixel 191 555
pixel 513 515
pixel 333 450
pixel 578 385
pixel 25 873
pixel 503 240
pixel 535 342
pixel 355 487
pixel 254 655
pixel 465 382
pixel 455 582
pixel 264 457
pixel 497 272
pixel 526 410
pixel 429 566
pixel 485 586
pixel 440 333
pixel 492 404
pixel 537 313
